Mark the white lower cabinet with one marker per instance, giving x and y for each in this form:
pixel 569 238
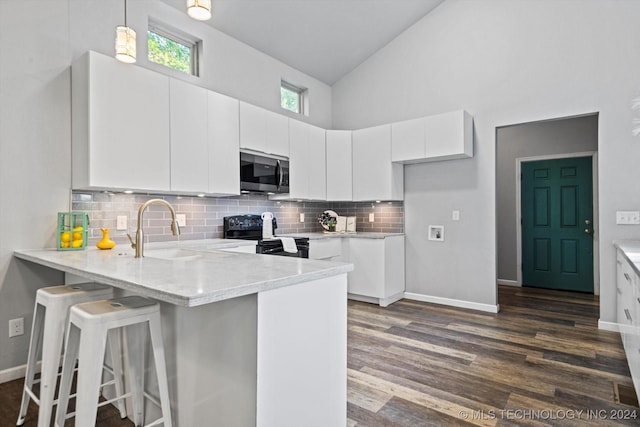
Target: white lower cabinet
pixel 628 314
pixel 378 265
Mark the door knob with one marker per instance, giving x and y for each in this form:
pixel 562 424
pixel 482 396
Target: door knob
pixel 587 222
pixel 587 231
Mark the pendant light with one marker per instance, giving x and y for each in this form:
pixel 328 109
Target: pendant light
pixel 199 9
pixel 125 41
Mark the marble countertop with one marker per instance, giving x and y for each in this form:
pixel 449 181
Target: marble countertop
pixel 186 273
pixel 333 235
pixel 631 250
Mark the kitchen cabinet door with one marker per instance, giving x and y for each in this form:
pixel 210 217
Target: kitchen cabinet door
pixel 378 274
pixel 339 165
pixel 263 130
pixel 375 177
pixel 120 126
pixel 223 137
pixel 408 140
pixel 307 167
pixel 189 147
pixel 449 136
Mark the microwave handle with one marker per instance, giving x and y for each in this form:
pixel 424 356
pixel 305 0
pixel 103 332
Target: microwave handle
pixel 279 173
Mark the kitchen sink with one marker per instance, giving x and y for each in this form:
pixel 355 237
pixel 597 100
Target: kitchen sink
pixel 172 254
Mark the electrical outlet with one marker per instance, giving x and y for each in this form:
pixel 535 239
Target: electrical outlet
pixel 628 217
pixel 16 327
pixel 121 222
pixel 455 216
pixel 181 219
pixel 372 217
pixel 301 217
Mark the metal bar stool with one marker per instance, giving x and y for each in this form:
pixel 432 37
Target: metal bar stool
pixel 89 324
pixel 47 335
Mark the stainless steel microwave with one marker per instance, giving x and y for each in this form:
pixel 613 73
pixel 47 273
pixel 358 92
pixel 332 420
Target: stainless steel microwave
pixel 263 173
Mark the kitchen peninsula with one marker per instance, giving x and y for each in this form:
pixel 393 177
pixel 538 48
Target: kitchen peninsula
pixel 249 339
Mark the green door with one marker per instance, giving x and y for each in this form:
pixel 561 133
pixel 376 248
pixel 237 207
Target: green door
pixel 557 224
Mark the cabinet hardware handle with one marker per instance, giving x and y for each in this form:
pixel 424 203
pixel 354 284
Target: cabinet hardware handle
pixel 626 313
pixel 619 291
pixel 626 276
pixel 638 299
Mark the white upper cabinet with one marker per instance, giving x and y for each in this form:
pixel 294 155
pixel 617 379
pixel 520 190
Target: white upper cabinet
pixel 223 140
pixel 433 138
pixel 189 147
pixel 263 130
pixel 339 165
pixel 375 177
pixel 120 126
pixel 307 166
pixel 407 140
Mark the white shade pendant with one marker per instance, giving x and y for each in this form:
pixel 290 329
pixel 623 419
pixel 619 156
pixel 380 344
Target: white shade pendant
pixel 125 44
pixel 199 9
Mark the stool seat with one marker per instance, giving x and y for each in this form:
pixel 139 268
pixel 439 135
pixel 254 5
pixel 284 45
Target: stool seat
pixel 47 335
pixel 88 327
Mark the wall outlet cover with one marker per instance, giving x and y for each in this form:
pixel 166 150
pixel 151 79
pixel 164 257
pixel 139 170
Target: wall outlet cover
pixel 301 217
pixel 16 327
pixel 455 216
pixel 372 217
pixel 181 220
pixel 121 222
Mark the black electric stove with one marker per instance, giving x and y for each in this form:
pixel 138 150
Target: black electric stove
pixel 249 227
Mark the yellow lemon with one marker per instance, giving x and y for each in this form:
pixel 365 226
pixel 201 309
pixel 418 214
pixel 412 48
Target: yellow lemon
pixel 78 228
pixel 65 236
pixel 77 235
pixel 64 244
pixel 76 244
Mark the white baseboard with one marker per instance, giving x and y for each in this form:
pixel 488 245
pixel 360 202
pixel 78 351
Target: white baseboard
pixel 608 326
pixel 453 302
pixel 509 283
pixel 12 373
pixel 382 302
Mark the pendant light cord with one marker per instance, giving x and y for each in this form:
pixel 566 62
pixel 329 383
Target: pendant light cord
pixel 125 13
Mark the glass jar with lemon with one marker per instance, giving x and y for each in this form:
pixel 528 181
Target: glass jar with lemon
pixel 72 231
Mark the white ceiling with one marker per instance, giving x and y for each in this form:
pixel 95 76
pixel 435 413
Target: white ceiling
pixel 325 39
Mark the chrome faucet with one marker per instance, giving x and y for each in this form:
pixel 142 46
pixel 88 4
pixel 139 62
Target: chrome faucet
pixel 138 245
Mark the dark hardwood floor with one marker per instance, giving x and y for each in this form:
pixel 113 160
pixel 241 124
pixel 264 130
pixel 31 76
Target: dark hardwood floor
pixel 540 361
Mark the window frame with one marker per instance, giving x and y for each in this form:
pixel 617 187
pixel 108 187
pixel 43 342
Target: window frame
pixel 300 91
pixel 193 44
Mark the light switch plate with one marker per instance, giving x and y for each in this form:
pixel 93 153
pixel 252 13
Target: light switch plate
pixel 627 217
pixel 121 222
pixel 181 219
pixel 302 217
pixel 455 216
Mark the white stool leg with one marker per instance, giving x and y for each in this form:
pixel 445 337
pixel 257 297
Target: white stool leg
pixel 115 349
pixel 92 347
pixel 52 338
pixel 161 369
pixel 135 355
pixel 68 364
pixel 34 350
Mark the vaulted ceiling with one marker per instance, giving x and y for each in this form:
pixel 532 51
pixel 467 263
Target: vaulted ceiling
pixel 325 39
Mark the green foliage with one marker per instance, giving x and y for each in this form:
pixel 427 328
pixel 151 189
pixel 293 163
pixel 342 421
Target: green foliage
pixel 289 99
pixel 169 53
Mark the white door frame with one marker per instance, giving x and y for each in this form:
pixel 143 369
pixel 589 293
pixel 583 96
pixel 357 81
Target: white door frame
pixel 596 222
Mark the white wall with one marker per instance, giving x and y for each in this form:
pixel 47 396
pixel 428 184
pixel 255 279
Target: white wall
pixel 505 62
pixel 40 39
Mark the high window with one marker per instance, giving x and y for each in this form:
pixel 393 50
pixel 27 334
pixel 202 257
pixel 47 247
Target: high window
pixel 173 50
pixel 292 97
